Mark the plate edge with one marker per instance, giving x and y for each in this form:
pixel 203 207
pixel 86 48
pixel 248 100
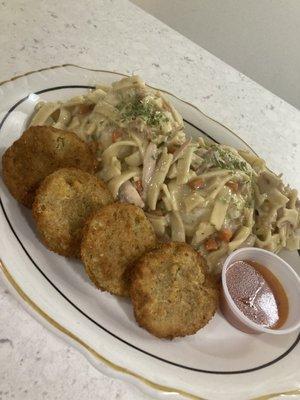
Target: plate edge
pixel 66 332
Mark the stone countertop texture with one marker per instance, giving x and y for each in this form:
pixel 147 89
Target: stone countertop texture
pixel 116 35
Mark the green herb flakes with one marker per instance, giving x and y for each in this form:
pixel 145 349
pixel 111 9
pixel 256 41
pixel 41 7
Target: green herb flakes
pixel 225 159
pixel 145 111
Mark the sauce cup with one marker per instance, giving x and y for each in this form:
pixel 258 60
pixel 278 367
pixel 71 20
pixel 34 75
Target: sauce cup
pixel 288 278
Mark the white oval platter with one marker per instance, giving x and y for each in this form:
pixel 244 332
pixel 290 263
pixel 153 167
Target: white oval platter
pixel 218 362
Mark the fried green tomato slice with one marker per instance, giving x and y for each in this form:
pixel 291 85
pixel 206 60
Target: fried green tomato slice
pixel 40 151
pixel 63 202
pixel 171 293
pixel 113 239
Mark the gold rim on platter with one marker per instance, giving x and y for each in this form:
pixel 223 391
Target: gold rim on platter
pixel 104 360
pixel 73 337
pixel 79 341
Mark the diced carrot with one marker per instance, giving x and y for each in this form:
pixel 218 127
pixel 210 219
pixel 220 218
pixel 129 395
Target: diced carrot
pixel 232 185
pixel 171 149
pixel 116 135
pixel 225 234
pixel 84 108
pixel 139 186
pixel 197 183
pixel 211 244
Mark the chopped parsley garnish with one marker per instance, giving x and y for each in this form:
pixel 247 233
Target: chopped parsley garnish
pixel 224 199
pixel 225 159
pixel 143 110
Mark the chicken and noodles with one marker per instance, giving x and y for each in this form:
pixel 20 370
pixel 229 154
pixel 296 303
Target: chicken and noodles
pixel 210 195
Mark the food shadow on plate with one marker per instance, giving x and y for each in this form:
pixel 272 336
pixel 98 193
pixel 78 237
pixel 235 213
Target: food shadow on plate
pixel 277 340
pixel 27 215
pixel 78 269
pixel 2 151
pixel 126 307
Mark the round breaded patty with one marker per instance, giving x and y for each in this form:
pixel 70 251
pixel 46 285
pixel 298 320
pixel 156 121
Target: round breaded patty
pixel 63 202
pixel 40 151
pixel 170 292
pixel 113 239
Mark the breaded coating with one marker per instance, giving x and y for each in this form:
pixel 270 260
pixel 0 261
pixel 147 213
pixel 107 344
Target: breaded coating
pixel 113 239
pixel 63 202
pixel 171 293
pixel 40 151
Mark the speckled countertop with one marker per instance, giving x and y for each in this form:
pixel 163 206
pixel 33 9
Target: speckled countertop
pixel 116 35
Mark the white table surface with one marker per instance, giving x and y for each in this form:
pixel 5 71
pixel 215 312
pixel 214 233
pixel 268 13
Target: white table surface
pixel 116 35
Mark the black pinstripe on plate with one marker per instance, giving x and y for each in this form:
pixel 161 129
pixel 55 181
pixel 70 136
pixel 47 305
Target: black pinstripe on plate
pixel 86 315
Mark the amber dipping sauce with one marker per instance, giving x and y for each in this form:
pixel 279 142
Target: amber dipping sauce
pixel 257 293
